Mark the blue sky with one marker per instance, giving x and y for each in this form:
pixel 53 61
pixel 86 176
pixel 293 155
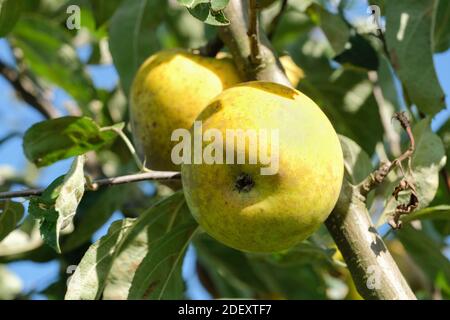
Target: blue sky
pixel 15 116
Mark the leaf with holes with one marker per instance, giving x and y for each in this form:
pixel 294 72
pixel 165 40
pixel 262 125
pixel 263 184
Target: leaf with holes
pixel 205 12
pixel 56 207
pixel 427 160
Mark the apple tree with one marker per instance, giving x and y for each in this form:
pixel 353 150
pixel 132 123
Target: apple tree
pixel 371 67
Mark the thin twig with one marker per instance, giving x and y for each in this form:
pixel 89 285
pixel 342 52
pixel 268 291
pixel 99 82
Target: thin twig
pixel 253 33
pixel 378 176
pixel 272 28
pixel 145 176
pixel 129 145
pixel 28 91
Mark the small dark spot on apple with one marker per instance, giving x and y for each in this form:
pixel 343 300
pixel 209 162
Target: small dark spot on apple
pixel 154 124
pixel 244 182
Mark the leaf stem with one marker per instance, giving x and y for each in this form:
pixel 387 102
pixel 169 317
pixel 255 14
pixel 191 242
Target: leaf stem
pixel 129 145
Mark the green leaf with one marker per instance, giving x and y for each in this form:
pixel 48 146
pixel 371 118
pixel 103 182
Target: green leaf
pixel 357 163
pixel 230 269
pixel 360 53
pixel 425 252
pixel 133 36
pixel 427 161
pixel 236 274
pixel 49 141
pixel 334 27
pixel 89 278
pixel 302 254
pixel 10 215
pixel 215 4
pixel 138 259
pixel 93 212
pixel 219 4
pixel 441 212
pixel 57 206
pixel 49 53
pixel 204 12
pixel 159 274
pixel 10 11
pixel 442 27
pixel 103 10
pixel 409 32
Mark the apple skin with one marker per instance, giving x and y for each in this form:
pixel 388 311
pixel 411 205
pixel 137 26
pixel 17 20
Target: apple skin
pixel 277 211
pixel 169 90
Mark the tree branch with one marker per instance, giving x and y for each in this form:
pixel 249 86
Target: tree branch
pixel 253 33
pixel 28 91
pixel 236 39
pixel 349 223
pixel 378 176
pixel 145 176
pixel 372 267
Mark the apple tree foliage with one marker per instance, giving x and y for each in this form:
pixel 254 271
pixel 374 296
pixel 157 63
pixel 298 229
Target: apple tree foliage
pixel 141 256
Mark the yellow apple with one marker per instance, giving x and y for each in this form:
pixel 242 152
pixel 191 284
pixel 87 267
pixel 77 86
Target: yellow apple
pixel 239 205
pixel 169 90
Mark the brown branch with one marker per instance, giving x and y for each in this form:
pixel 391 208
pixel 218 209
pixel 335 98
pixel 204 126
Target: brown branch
pixel 253 33
pixel 372 267
pixel 145 176
pixel 28 91
pixel 236 39
pixel 272 28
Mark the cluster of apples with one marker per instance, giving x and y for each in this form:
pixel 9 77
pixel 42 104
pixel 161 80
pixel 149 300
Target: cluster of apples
pixel 233 202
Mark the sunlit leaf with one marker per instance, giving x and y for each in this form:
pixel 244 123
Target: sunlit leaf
pixel 49 141
pixel 94 210
pixel 409 34
pixel 57 206
pixel 138 258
